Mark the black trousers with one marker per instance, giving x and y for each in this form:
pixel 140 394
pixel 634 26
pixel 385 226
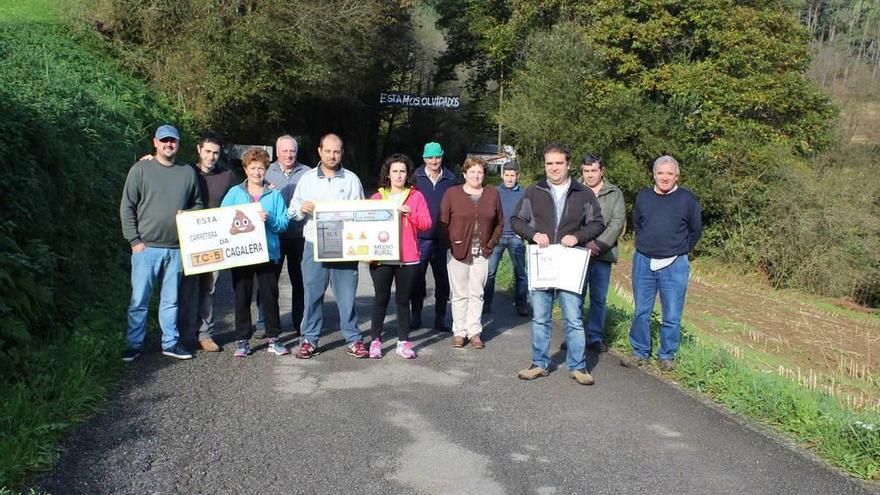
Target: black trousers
pixel 292 251
pixel 432 252
pixel 243 285
pixel 404 277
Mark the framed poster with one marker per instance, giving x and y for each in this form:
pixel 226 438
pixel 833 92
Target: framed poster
pixel 357 230
pixel 220 238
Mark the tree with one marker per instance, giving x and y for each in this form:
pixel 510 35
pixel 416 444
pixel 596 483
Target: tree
pixel 248 67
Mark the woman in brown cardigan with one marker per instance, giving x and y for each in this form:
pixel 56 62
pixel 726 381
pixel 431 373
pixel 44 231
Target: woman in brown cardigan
pixel 471 219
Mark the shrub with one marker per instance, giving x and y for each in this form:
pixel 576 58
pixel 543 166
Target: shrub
pixel 72 123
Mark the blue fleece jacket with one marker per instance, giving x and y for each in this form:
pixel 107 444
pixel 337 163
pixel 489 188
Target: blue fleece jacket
pixel 273 203
pixel 666 225
pixel 433 195
pixel 510 196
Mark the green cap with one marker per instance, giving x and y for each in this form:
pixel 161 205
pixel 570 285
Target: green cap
pixel 432 149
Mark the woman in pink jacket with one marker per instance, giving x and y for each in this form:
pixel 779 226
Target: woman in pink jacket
pixel 396 181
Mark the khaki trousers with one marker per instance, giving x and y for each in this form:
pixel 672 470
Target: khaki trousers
pixel 466 282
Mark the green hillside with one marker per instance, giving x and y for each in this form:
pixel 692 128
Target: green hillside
pixel 72 122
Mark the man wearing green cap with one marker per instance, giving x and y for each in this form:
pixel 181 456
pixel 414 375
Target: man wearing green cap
pixel 432 180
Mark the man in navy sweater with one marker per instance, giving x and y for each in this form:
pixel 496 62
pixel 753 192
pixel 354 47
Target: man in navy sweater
pixel 510 192
pixel 432 180
pixel 667 222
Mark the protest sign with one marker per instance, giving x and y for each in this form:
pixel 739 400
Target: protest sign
pixel 220 238
pixel 357 230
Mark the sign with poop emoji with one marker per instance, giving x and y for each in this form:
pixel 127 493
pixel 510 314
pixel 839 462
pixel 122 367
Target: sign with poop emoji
pixel 357 230
pixel 221 238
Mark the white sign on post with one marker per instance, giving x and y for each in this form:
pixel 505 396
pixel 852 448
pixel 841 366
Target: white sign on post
pixel 558 267
pixel 220 238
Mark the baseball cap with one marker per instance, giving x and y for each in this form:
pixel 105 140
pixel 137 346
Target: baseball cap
pixel 166 131
pixel 432 149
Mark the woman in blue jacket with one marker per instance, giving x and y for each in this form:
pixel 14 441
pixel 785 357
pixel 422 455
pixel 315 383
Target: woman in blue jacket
pixel 255 189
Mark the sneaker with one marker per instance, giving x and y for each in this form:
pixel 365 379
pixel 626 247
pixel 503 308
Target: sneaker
pixel 582 376
pixel 357 350
pixel 405 350
pixel 633 361
pixel 597 347
pixel 306 350
pixel 666 365
pixel 476 343
pixel 260 333
pixel 242 349
pixel 458 342
pixel 376 349
pixel 130 355
pixel 277 348
pixel 532 372
pixel 178 352
pixel 208 345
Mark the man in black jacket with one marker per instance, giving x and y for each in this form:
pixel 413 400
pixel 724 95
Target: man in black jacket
pixel 557 210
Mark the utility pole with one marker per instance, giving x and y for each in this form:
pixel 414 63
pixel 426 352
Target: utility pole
pixel 500 102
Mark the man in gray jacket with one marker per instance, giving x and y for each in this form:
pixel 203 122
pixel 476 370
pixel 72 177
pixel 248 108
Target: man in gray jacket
pixel 603 249
pixel 155 191
pixel 284 174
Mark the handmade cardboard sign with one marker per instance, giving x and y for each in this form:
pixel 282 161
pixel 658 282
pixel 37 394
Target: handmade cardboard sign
pixel 220 238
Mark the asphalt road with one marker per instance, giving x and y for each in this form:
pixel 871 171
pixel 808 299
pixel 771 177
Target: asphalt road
pixel 453 421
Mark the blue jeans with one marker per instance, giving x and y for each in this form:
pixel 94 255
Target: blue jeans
pixel 517 251
pixel 671 282
pixel 343 277
pixel 147 267
pixel 598 280
pixel 571 305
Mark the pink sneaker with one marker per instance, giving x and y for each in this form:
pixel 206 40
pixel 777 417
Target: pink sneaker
pixel 376 349
pixel 404 350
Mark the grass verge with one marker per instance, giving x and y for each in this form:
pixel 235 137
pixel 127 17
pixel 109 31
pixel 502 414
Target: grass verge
pixel 71 123
pixel 847 439
pixel 64 381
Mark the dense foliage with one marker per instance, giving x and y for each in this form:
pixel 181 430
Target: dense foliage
pixel 71 125
pixel 253 69
pixel 720 84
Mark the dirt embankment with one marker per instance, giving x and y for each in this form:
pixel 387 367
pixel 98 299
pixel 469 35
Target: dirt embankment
pixel 817 344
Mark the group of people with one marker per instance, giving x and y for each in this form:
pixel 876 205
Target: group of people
pixel 458 228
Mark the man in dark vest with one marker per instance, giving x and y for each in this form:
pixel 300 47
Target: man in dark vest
pixel 432 180
pixel 196 315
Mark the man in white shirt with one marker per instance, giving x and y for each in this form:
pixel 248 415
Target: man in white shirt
pixel 328 181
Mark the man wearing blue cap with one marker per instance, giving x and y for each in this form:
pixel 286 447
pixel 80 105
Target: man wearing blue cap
pixel 432 180
pixel 155 191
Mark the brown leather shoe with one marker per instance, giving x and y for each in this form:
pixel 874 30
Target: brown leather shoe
pixel 209 345
pixel 532 372
pixel 582 376
pixel 457 341
pixel 476 343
